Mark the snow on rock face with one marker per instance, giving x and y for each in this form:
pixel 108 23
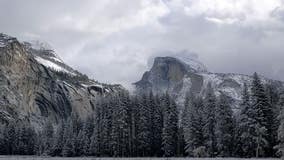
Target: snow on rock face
pixel 52 65
pixel 180 76
pixel 5 40
pixel 43 50
pixel 196 65
pixel 192 60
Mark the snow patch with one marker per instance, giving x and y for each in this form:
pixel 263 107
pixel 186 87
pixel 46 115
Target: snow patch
pixel 52 65
pixel 57 59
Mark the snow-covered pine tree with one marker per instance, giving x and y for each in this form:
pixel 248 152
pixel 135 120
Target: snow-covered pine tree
pixel 115 128
pixel 9 137
pixel 58 139
pixel 88 129
pixel 245 135
pixel 210 121
pixel 157 124
pixel 170 127
pixel 104 127
pixel 225 127
pixel 68 149
pixel 93 147
pixel 273 98
pixel 24 139
pixel 99 137
pixel 2 140
pixel 263 115
pixel 193 125
pixel 124 123
pixel 81 143
pixel 144 133
pixel 135 126
pixel 281 126
pixel 47 139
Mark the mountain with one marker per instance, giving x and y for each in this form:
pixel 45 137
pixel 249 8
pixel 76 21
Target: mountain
pixel 35 84
pixel 177 77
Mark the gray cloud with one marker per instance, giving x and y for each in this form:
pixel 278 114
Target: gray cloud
pixel 115 41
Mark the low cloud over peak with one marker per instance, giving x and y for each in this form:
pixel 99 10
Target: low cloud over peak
pixel 113 40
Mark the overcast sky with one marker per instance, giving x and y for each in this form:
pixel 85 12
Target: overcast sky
pixel 114 40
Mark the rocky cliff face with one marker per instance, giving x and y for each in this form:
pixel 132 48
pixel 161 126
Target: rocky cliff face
pixel 35 84
pixel 176 77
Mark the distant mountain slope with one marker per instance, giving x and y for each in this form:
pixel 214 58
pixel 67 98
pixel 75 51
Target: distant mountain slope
pixel 177 77
pixel 35 84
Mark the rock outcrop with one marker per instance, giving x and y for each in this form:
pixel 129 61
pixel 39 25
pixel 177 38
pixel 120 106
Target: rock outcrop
pixel 169 74
pixel 36 84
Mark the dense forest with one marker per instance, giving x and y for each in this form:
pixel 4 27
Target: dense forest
pixel 148 126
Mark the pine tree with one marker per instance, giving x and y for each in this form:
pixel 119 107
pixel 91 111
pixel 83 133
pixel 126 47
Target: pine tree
pixel 58 139
pixel 246 127
pixel 157 124
pixel 170 127
pixel 47 141
pixel 124 123
pixel 210 121
pixel 144 133
pixel 105 126
pixel 9 137
pixel 2 140
pixel 273 98
pixel 281 126
pixel 69 137
pixel 94 149
pixel 224 127
pixel 135 126
pixel 193 125
pixel 263 115
pixel 115 128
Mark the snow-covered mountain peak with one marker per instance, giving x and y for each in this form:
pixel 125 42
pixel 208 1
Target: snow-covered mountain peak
pixel 192 60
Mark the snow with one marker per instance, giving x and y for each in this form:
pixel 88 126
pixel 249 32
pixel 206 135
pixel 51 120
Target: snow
pixel 98 85
pixel 92 158
pixel 191 60
pixel 5 40
pixel 52 65
pixel 57 59
pixel 196 65
pixel 35 44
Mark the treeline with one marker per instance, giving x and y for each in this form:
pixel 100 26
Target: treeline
pixel 121 126
pixel 148 126
pixel 213 129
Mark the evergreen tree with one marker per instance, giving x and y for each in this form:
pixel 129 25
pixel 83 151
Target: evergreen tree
pixel 94 149
pixel 281 126
pixel 224 127
pixel 58 139
pixel 9 138
pixel 123 123
pixel 263 115
pixel 69 137
pixel 47 138
pixel 157 124
pixel 246 127
pixel 210 121
pixel 2 140
pixel 144 133
pixel 193 124
pixel 273 122
pixel 170 127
